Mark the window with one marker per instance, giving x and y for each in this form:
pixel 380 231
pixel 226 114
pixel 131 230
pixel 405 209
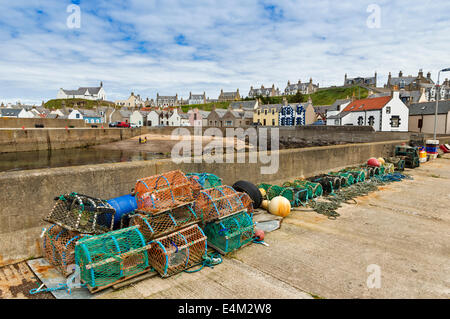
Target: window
pixel 195 116
pixel 273 122
pixel 264 122
pixel 338 108
pixel 77 116
pixel 265 112
pixel 371 120
pixel 360 120
pixel 395 121
pixel 420 123
pixel 229 123
pixel 259 112
pixel 336 122
pixel 388 110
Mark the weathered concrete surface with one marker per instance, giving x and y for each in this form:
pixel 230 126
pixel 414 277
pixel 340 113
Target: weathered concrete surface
pixel 232 279
pixel 404 228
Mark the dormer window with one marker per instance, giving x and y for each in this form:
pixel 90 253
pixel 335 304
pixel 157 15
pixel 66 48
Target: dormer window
pixel 388 110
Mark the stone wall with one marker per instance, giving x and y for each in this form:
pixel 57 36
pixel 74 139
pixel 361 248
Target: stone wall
pixel 47 123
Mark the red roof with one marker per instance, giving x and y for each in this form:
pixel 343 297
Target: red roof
pixel 376 103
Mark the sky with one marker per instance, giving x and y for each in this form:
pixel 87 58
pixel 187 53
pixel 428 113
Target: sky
pixel 180 46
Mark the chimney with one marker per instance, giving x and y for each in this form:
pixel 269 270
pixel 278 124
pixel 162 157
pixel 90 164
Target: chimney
pixel 285 102
pixel 428 75
pixel 400 74
pixel 420 73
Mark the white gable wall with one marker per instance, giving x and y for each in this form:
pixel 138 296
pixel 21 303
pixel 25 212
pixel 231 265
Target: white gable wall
pixel 397 108
pixel 137 119
pixel 153 119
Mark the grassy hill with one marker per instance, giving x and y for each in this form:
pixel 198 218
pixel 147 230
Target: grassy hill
pixel 330 95
pixel 325 96
pixel 206 107
pixel 80 103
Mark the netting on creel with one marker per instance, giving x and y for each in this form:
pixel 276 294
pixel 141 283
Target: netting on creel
pixel 359 175
pixel 152 226
pixel 58 246
pixel 218 202
pixel 347 179
pixel 247 202
pixel 329 183
pixel 296 196
pixel 313 189
pixel 82 213
pixel 178 251
pixel 160 193
pixel 206 180
pixel 111 257
pixel 230 233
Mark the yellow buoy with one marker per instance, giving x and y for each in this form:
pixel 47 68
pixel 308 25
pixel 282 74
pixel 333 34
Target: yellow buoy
pixel 382 161
pixel 280 206
pixel 265 204
pixel 263 192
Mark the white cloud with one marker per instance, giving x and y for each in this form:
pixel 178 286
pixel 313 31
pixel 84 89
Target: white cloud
pixel 132 45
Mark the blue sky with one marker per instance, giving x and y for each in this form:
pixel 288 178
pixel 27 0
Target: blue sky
pixel 178 46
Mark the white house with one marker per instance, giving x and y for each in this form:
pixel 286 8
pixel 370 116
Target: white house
pixel 386 113
pixel 174 119
pixel 88 93
pixel 335 109
pixel 153 118
pixel 137 119
pixel 75 115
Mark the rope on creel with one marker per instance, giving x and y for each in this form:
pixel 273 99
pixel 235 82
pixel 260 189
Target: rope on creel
pixel 209 260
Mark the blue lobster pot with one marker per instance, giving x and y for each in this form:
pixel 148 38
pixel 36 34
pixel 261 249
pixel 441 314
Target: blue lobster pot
pixel 123 205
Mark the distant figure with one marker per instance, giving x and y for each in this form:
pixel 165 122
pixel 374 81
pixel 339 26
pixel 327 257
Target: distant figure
pixel 140 140
pixel 145 140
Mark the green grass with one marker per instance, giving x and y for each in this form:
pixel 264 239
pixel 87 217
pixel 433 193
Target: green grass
pixel 207 106
pixel 322 97
pixel 330 95
pixel 81 103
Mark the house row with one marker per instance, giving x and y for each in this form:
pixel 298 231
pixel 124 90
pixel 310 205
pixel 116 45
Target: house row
pixel 285 114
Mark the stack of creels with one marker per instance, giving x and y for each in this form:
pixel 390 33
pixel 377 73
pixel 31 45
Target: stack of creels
pixel 216 203
pixel 162 192
pixel 110 258
pixel 231 233
pixel 59 248
pixel 153 226
pixel 82 213
pixel 178 251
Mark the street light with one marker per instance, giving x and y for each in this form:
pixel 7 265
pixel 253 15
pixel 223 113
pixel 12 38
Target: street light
pixel 437 100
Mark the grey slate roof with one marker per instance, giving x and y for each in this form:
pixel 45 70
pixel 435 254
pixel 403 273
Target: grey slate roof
pixel 429 108
pixel 82 90
pixel 245 105
pixel 338 116
pixel 10 112
pixel 337 103
pixel 89 113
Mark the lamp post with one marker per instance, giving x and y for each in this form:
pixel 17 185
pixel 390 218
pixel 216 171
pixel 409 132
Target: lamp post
pixel 437 101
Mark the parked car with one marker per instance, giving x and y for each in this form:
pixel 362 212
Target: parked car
pixel 132 125
pixel 123 124
pixel 113 124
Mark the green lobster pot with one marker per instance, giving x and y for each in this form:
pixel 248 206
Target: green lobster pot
pixel 111 258
pixel 230 233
